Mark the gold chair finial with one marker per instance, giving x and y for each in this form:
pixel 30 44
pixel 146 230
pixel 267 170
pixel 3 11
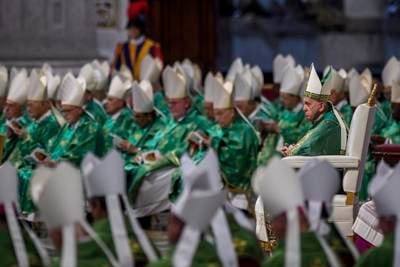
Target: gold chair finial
pixel 372 96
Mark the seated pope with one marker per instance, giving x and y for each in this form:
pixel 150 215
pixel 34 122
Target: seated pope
pixel 328 133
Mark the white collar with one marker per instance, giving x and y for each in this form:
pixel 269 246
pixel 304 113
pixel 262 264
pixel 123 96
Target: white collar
pixel 116 115
pixel 98 102
pixel 138 41
pixel 341 104
pixel 298 108
pixel 44 116
pixel 254 113
pixel 76 124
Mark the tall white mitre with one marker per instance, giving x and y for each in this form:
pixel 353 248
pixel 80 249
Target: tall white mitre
pixel 334 81
pixel 37 86
pixel 209 88
pixel 314 88
pixel 278 66
pixel 291 82
pixel 358 93
pixel 119 87
pixel 258 80
pixel 243 86
pixel 53 83
pixel 150 69
pixel 391 72
pixel 222 95
pixel 72 90
pixel 235 68
pixel 3 81
pixel 174 83
pixel 87 73
pixel 143 97
pixel 125 73
pixel 18 90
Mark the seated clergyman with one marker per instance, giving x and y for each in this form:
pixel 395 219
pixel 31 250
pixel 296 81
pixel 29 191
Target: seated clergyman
pixel 328 133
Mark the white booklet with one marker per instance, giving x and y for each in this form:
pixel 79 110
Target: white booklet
pixel 148 157
pixel 38 155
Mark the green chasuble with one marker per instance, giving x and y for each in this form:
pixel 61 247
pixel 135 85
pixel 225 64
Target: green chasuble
pixel 312 254
pixel 3 126
pixel 392 132
pixel 142 138
pixel 120 125
pixel 198 103
pixel 379 256
pixel 96 110
pixel 11 142
pixel 160 102
pixel 271 109
pixel 386 106
pixel 171 142
pixel 346 111
pixel 381 120
pixel 7 254
pixel 39 132
pixel 322 139
pixel 103 230
pixel 381 123
pixel 74 141
pixel 237 148
pixel 293 126
pixel 205 256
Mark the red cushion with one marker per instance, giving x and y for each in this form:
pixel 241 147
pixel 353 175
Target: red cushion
pixel 387 148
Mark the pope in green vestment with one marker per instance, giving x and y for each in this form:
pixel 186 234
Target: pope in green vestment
pixel 312 254
pixel 379 256
pixel 322 139
pixel 95 108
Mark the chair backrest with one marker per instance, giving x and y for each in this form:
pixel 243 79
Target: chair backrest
pixel 357 144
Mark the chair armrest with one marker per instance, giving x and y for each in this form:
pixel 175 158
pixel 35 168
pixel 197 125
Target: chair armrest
pixel 338 161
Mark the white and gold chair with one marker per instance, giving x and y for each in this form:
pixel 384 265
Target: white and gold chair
pixel 344 205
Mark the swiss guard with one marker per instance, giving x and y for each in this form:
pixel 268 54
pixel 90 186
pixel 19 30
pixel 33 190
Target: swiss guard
pixel 134 50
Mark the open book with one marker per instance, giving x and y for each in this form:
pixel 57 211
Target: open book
pixel 37 155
